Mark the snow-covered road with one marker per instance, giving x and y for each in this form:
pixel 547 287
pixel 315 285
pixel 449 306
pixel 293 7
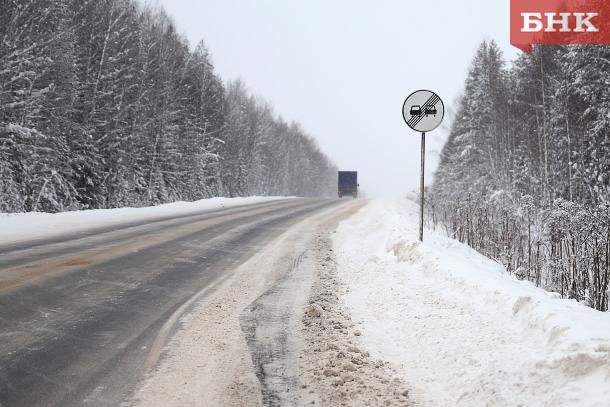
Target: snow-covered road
pixel 274 304
pixel 460 330
pixel 83 316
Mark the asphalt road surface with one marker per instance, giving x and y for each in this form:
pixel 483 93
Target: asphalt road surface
pixel 79 314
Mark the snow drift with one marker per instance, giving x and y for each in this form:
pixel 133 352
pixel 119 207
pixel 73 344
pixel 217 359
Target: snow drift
pixel 461 330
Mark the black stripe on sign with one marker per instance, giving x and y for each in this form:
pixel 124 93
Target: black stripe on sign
pixel 433 100
pixel 416 119
pixel 429 103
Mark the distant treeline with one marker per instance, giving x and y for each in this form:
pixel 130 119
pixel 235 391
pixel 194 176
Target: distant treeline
pixel 525 174
pixel 103 104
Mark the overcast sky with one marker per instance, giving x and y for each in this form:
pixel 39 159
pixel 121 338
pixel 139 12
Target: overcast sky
pixel 342 68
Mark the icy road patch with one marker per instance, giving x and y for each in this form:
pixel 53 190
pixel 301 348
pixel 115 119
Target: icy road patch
pixel 459 329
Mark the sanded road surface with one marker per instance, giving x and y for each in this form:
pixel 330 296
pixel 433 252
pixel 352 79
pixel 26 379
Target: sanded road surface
pixel 79 314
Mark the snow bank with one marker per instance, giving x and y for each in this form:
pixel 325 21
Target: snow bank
pixel 21 227
pixel 461 330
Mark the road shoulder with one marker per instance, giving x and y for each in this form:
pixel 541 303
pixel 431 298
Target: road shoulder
pixel 208 361
pixel 275 333
pixel 336 368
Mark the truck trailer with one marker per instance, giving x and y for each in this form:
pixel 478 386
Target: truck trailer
pixel 348 184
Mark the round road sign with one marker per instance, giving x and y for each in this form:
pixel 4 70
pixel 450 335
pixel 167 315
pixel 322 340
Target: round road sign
pixel 423 111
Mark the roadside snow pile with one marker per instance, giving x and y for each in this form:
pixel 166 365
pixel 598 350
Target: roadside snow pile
pixel 15 228
pixel 460 330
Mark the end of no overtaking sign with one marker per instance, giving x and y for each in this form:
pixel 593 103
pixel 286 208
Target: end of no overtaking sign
pixel 423 111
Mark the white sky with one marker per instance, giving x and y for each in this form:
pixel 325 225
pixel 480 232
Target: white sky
pixel 342 68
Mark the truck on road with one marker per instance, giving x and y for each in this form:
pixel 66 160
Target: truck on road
pixel 348 183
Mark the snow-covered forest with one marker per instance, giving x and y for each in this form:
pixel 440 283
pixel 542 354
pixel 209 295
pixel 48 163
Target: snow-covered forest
pixel 103 104
pixel 525 175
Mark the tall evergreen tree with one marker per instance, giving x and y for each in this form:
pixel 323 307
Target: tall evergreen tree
pixel 524 174
pixel 103 104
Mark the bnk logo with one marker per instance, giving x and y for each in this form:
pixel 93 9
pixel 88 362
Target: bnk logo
pixel 559 22
pixel 533 23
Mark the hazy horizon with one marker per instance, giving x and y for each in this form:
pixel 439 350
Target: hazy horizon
pixel 343 69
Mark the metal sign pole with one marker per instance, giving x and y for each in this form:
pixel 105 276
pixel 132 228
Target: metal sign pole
pixel 421 187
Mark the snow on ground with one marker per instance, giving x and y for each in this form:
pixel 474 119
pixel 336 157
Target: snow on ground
pixel 334 371
pixel 208 360
pixel 15 228
pixel 460 330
